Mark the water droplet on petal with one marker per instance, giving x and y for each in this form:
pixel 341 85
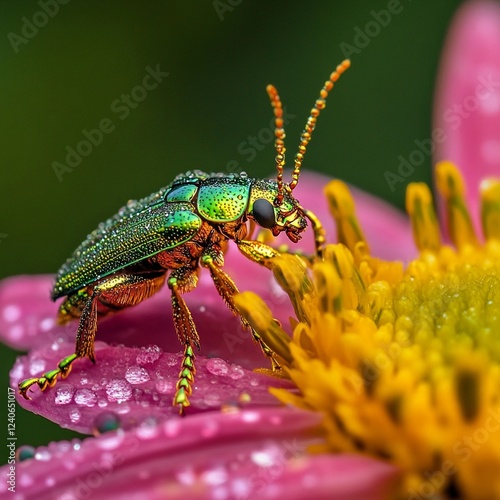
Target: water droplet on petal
pixel 164 386
pixel 50 481
pixel 11 313
pixel 212 399
pixel 148 429
pixel 262 458
pixel 75 415
pixel 118 390
pixel 111 442
pixel 64 394
pixel 25 480
pixel 148 355
pixel 236 372
pixel 36 366
pixel 137 375
pixel 85 397
pixel 217 366
pixel 43 454
pixel 214 477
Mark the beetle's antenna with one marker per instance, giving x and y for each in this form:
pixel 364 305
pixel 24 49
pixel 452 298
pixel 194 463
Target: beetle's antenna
pixel 311 121
pixel 279 143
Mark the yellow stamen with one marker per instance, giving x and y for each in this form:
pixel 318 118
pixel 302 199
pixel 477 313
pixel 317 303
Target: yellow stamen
pixel 423 218
pixel 490 208
pixel 450 185
pixel 404 364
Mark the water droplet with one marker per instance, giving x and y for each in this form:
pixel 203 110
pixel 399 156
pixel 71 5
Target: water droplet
pixel 217 366
pixel 64 394
pixel 26 480
pixel 123 409
pixel 111 442
pixel 148 429
pixel 102 403
pixel 148 355
pixel 250 417
pixel 85 397
pixel 214 476
pixel 236 372
pixel 50 481
pixel 75 415
pixel 36 366
pixel 212 399
pixel 46 324
pixel 105 422
pixel 164 386
pixel 84 381
pixel 186 477
pixel 118 390
pixel 11 313
pixel 25 452
pixel 137 375
pixel 261 458
pixel 43 454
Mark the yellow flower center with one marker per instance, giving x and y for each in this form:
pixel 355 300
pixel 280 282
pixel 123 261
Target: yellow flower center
pixel 403 363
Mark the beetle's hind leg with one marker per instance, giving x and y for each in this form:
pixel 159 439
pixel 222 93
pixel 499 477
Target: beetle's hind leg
pixel 180 281
pixel 227 289
pixel 114 293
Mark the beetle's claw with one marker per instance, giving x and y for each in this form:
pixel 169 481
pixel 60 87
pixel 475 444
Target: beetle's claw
pixel 24 386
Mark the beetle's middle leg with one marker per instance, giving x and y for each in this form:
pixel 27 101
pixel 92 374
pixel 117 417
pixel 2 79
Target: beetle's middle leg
pixel 212 258
pixel 116 292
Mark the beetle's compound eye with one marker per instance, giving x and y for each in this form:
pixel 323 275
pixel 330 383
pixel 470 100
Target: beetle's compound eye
pixel 263 213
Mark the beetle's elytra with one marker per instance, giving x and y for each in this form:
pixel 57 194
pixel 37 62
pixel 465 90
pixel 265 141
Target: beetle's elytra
pixel 166 236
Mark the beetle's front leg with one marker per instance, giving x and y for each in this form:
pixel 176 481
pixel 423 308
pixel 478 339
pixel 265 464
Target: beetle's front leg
pixel 319 232
pixel 211 259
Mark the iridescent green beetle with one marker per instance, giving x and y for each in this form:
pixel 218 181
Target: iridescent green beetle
pixel 188 223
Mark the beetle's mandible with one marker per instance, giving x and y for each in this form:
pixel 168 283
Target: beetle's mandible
pixel 166 236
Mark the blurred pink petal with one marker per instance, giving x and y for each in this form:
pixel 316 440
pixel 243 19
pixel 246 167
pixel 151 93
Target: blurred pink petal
pixel 468 97
pixel 240 455
pixel 136 384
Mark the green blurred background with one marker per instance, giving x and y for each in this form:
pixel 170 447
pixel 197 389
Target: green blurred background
pixel 220 56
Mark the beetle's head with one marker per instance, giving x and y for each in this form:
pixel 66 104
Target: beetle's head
pixel 263 208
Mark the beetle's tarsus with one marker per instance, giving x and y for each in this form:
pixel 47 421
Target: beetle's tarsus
pixel 48 379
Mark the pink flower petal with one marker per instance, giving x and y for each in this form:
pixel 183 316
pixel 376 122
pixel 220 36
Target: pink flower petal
pixel 468 97
pixel 245 454
pixel 136 384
